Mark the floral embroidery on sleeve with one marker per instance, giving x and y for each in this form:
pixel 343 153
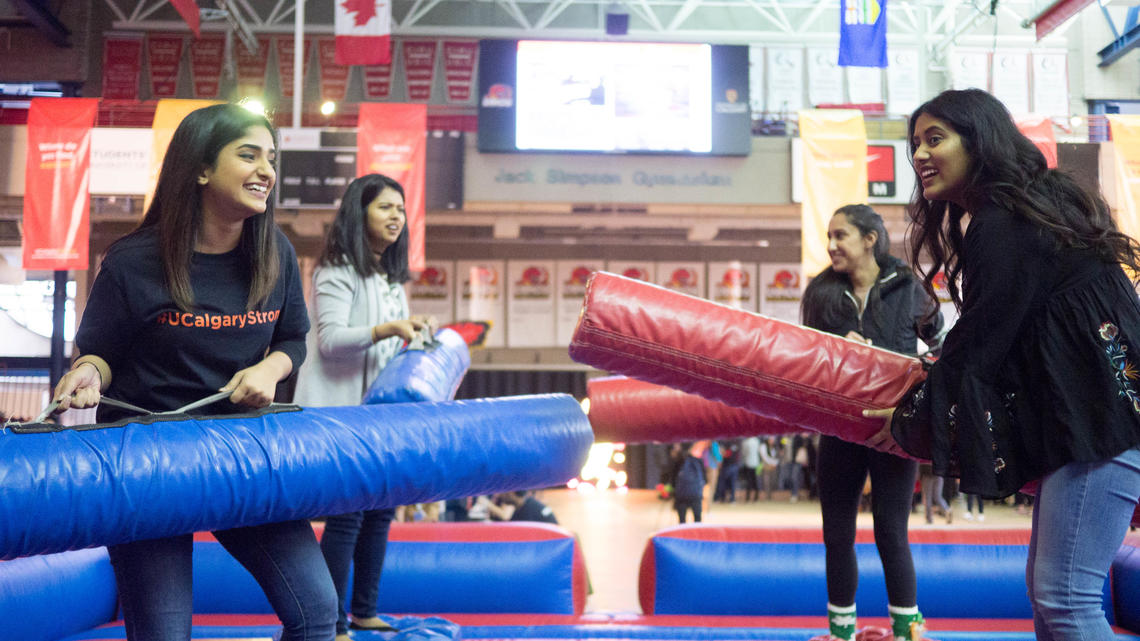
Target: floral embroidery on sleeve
pixel 1122 369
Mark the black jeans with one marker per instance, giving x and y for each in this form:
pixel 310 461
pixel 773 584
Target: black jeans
pixel 359 540
pixel 843 468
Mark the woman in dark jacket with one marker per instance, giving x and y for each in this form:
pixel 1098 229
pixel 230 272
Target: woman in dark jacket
pixel 867 295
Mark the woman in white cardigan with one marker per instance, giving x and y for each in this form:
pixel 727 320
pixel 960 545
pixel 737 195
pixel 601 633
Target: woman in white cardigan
pixel 361 318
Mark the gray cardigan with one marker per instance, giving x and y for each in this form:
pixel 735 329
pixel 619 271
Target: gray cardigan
pixel 343 361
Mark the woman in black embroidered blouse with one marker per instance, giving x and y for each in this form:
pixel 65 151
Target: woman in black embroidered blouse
pixel 1036 381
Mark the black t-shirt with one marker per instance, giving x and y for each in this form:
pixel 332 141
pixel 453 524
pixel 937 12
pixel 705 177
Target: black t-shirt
pixel 162 358
pixel 534 510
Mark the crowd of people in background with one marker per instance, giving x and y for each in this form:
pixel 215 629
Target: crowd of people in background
pixel 783 468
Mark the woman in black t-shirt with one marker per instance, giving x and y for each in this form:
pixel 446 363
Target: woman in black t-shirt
pixel 204 296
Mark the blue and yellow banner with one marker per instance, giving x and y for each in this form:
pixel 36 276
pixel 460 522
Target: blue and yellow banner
pixel 862 33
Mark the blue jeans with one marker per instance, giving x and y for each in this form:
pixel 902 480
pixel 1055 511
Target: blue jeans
pixel 359 539
pixel 1080 518
pixel 155 581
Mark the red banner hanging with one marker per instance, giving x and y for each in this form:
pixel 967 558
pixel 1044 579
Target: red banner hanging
pixel 122 63
pixel 285 49
pixel 419 68
pixel 334 77
pixel 251 68
pixel 56 181
pixel 459 68
pixel 378 82
pixel 206 57
pixel 391 139
pixel 163 54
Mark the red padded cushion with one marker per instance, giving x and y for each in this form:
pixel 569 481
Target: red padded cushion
pixel 807 379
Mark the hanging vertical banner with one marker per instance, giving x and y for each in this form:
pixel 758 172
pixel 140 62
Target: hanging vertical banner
pixel 864 85
pixel 251 68
pixel 1010 80
pixel 163 55
pixel 363 32
pixel 122 64
pixel 572 278
pixel 480 296
pixel 459 68
pixel 969 69
pixel 168 114
pixel 378 82
pixel 781 289
pixel 57 174
pixel 733 283
pixel 862 33
pixel 334 76
pixel 785 72
pixel 904 81
pixel 206 57
pixel 1051 83
pixel 685 277
pixel 637 269
pixel 1039 129
pixel 432 292
pixel 835 174
pixel 1126 146
pixel 391 139
pixel 825 77
pixel 419 68
pixel 530 303
pixel 285 48
pixel 756 86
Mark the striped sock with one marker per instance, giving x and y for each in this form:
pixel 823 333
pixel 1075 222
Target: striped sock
pixel 907 623
pixel 841 621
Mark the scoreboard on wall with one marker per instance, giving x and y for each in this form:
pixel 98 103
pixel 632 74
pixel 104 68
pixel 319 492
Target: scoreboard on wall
pixel 314 178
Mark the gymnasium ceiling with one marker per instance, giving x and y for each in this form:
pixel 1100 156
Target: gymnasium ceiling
pixel 934 23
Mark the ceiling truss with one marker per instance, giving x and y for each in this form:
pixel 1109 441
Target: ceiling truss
pixel 932 23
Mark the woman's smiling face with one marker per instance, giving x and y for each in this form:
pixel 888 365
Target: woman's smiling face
pixel 239 183
pixel 941 161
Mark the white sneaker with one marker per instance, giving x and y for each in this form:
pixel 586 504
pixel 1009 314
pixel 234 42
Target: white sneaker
pixel 969 516
pixel 981 517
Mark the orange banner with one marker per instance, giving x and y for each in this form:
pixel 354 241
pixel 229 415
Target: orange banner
pixel 1039 130
pixel 835 174
pixel 56 181
pixel 1126 147
pixel 168 114
pixel 391 139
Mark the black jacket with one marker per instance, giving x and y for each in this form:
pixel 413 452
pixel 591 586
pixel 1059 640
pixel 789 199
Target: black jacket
pixel 894 315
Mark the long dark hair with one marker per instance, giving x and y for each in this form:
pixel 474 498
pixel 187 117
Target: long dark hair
pixel 825 302
pixel 176 210
pixel 1007 171
pixel 347 240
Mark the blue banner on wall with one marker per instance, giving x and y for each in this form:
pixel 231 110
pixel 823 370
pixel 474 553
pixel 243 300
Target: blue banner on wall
pixel 862 33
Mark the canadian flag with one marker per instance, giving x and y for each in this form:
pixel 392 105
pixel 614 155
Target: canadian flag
pixel 363 31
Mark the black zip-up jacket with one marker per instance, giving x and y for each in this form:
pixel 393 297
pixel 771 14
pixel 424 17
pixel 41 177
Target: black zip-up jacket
pixel 894 317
